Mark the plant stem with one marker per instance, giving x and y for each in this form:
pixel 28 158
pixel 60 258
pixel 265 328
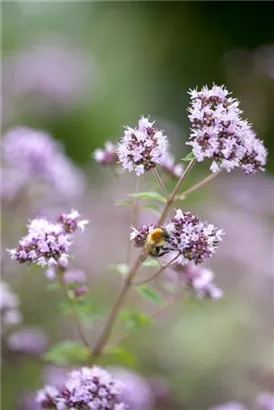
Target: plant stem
pixel 157 273
pixel 172 196
pixel 106 332
pixel 134 217
pixel 73 310
pixel 160 182
pixel 115 310
pixel 198 185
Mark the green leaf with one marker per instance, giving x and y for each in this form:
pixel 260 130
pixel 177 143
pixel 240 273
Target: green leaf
pixel 65 353
pixel 150 294
pixel 152 207
pixel 122 355
pixel 121 268
pixel 133 319
pixel 189 157
pixel 123 202
pixel 53 285
pixel 155 196
pixel 85 310
pixel 150 263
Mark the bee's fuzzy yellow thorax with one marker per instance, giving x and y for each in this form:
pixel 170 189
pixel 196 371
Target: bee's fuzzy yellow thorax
pixel 156 236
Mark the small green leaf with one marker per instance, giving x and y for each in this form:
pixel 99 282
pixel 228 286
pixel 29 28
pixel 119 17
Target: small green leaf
pixel 155 196
pixel 122 355
pixel 84 309
pixel 152 207
pixel 123 202
pixel 65 353
pixel 121 268
pixel 133 320
pixel 150 294
pixel 150 263
pixel 53 285
pixel 189 157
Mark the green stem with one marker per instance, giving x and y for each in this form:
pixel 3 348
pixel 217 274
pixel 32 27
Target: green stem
pixel 203 182
pixel 73 310
pixel 160 182
pixel 158 272
pixel 173 194
pixel 106 332
pixel 134 218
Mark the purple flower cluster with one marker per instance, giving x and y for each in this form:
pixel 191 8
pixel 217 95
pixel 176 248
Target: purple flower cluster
pixel 76 280
pixel 107 156
pixel 86 388
pixel 139 236
pixel 218 132
pixel 193 239
pixel 188 235
pixel 47 243
pixel 32 154
pixel 142 148
pixel 200 280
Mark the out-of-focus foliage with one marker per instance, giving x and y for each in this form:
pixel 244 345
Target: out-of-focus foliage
pixel 143 57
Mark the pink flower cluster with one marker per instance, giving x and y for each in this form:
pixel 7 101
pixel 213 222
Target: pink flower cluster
pixel 218 132
pixel 48 243
pixel 85 388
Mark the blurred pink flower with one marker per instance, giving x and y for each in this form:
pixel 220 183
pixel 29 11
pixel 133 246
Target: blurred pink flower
pixel 50 76
pixel 265 401
pixel 137 393
pixel 28 340
pixel 107 156
pixel 33 155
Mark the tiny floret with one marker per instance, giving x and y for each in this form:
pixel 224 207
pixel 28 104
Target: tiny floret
pixel 107 156
pixel 200 280
pixel 9 306
pixel 218 132
pixel 85 388
pixel 71 222
pixel 169 166
pixel 139 236
pixel 142 148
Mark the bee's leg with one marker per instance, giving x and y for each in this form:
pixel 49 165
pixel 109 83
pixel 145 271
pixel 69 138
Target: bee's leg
pixel 162 252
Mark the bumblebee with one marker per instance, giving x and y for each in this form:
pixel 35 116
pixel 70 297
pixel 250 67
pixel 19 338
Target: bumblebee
pixel 156 241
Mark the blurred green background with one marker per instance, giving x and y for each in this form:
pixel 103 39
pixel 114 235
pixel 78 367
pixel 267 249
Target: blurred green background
pixel 142 58
pixel 147 55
